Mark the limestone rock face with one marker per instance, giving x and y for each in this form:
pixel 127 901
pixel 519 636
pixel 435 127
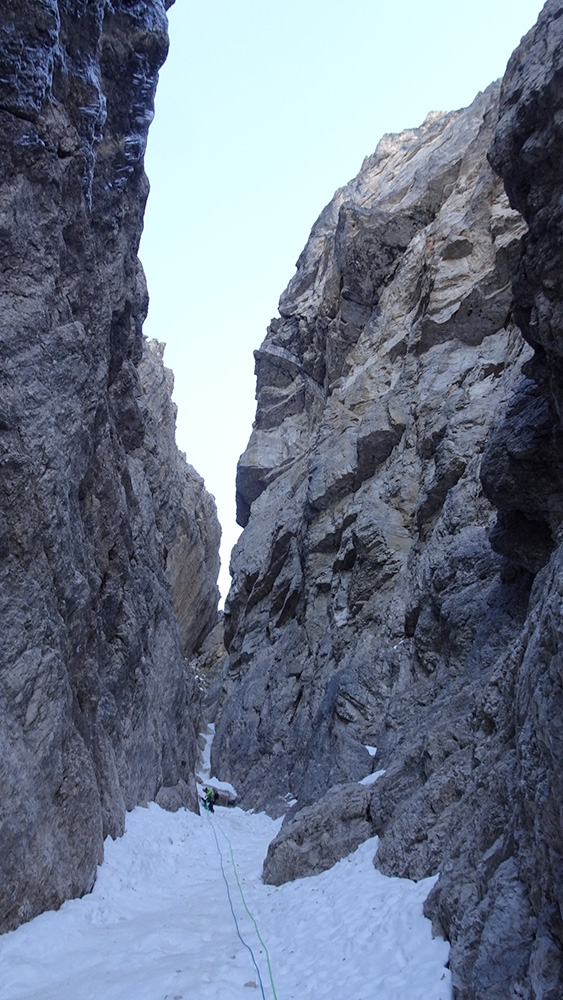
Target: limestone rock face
pixel 364 583
pixel 105 532
pixel 319 835
pixel 398 583
pixel 528 153
pixel 185 513
pixel 523 472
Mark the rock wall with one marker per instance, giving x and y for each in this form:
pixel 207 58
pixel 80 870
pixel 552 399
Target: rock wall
pixel 104 530
pixel 354 588
pixel 398 582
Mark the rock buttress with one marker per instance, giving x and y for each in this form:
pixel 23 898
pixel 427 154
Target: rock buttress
pixel 364 581
pixel 97 511
pixel 503 908
pixel 402 425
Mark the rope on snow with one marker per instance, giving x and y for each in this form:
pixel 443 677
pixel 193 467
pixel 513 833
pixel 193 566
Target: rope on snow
pixel 247 946
pixel 259 936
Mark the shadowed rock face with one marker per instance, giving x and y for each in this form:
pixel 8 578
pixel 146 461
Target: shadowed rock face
pixel 523 471
pixel 104 530
pixel 528 153
pixel 368 607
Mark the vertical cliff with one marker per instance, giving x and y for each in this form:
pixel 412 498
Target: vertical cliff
pixel 509 940
pixel 398 582
pixel 355 591
pixel 105 532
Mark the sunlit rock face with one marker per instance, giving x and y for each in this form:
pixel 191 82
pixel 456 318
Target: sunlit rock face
pixel 105 531
pixel 398 581
pixel 364 584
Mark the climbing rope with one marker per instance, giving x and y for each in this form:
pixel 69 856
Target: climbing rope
pixel 242 896
pixel 247 946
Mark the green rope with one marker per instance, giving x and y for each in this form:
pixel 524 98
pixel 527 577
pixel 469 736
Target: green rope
pixel 259 936
pixel 245 943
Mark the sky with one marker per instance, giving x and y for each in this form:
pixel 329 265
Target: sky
pixel 264 108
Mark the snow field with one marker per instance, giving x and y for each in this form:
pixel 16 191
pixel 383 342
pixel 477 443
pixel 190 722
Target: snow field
pixel 158 926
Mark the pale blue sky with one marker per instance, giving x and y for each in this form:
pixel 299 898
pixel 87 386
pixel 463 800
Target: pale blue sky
pixel 264 108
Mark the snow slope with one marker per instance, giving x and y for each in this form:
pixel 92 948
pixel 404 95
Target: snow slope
pixel 158 925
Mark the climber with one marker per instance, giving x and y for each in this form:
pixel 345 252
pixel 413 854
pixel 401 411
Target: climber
pixel 208 798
